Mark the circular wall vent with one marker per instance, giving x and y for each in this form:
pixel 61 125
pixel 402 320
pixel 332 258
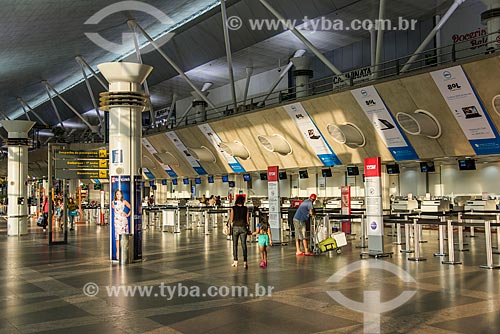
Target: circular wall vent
pixel 347 134
pixel 496 104
pixel 202 154
pixel 235 149
pixel 166 158
pixel 275 143
pixel 421 122
pixel 148 163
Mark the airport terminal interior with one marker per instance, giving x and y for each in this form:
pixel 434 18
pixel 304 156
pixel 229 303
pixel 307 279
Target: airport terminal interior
pixel 247 166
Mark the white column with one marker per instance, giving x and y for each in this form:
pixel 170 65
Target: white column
pixel 302 74
pixel 125 103
pixel 17 169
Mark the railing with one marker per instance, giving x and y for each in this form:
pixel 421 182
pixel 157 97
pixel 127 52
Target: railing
pixel 429 58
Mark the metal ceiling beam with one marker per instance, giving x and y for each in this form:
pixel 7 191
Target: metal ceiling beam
pixel 247 84
pixel 298 53
pixel 49 87
pixel 431 35
pixel 174 65
pixel 229 57
pixel 184 115
pixel 25 112
pixel 91 92
pixel 53 105
pixel 82 60
pixel 132 28
pixel 26 105
pixel 172 107
pixel 304 40
pixel 380 39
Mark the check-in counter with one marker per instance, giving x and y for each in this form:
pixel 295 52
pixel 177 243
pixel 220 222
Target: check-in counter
pixel 438 205
pixel 404 205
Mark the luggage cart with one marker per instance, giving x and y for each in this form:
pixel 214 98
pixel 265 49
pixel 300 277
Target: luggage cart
pixel 324 242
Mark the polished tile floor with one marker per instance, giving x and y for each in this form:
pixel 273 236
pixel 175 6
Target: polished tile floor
pixel 42 288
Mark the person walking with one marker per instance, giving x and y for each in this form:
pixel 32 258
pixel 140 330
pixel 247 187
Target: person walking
pixel 240 218
pixel 265 239
pixel 300 219
pixel 45 210
pixel 72 213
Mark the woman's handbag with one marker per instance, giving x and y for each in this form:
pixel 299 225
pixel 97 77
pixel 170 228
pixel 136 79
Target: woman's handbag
pixel 39 222
pixel 227 230
pixel 249 231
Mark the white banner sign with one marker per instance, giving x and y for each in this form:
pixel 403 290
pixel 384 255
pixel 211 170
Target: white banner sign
pixel 153 151
pixel 375 109
pixel 184 151
pixel 215 140
pixel 312 135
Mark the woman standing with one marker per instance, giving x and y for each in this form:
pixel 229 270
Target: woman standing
pixel 120 216
pixel 240 218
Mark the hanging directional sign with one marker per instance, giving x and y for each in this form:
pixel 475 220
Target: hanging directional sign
pixel 81 174
pixel 82 164
pixel 81 154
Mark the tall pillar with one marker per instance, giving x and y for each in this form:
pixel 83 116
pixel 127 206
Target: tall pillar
pixel 302 74
pixel 125 103
pixel 17 173
pixel 491 18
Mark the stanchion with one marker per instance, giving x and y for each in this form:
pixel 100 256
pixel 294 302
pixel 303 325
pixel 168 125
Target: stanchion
pixel 498 241
pixel 205 215
pixel 420 235
pixel 398 235
pixel 441 238
pixel 451 245
pixel 489 251
pixel 416 243
pixel 461 236
pixel 177 226
pixel 407 239
pixel 363 233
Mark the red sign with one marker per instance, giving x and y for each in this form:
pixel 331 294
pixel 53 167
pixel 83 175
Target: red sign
pixel 372 167
pixel 272 173
pixel 345 200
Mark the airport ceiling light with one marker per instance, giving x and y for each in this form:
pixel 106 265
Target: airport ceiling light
pixel 235 149
pixel 420 123
pixel 275 143
pixel 167 158
pixel 202 154
pixel 348 134
pixel 496 104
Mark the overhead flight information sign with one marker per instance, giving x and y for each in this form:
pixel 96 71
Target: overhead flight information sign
pixel 184 151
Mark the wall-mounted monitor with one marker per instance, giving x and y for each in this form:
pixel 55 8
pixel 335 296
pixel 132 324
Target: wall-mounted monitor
pixel 185 181
pixel 327 172
pixel 352 170
pixel 151 183
pixel 153 187
pixel 303 174
pixel 210 179
pixel 246 177
pixel 263 176
pixel 232 184
pixel 174 182
pixel 392 169
pixel 197 180
pixel 467 164
pixel 282 175
pixel 427 167
pixel 225 178
pixel 163 182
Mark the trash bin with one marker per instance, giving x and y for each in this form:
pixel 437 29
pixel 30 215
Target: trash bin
pixel 126 248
